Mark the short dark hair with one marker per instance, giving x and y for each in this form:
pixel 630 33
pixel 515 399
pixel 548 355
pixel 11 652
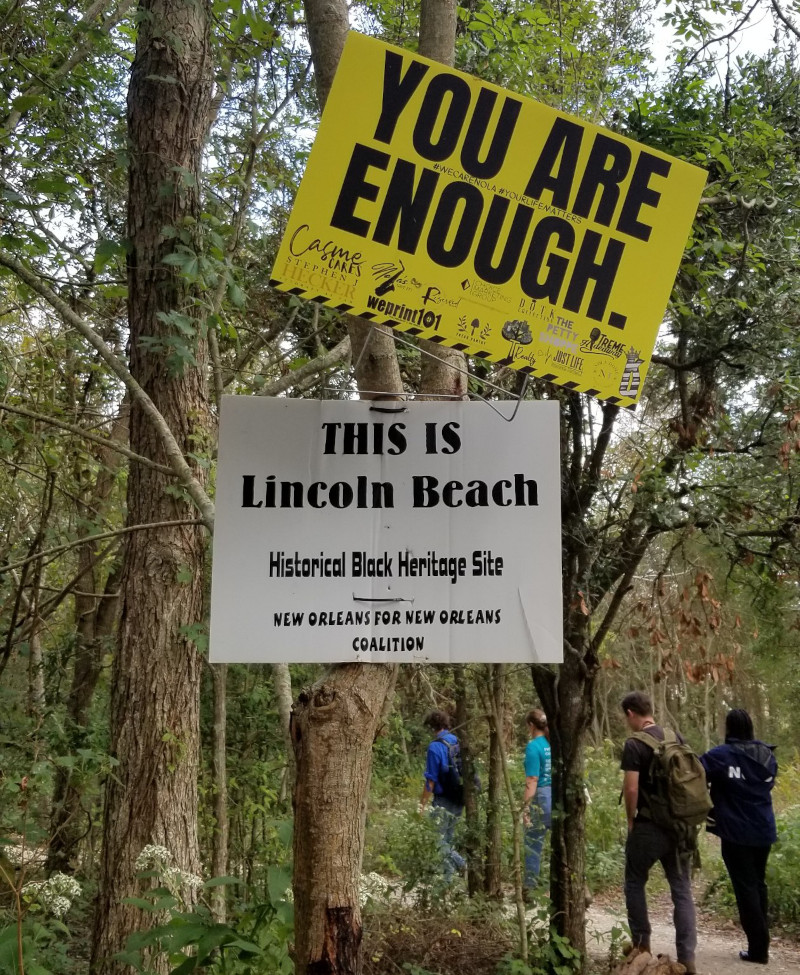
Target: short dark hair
pixel 537 718
pixel 437 720
pixel 739 725
pixel 639 703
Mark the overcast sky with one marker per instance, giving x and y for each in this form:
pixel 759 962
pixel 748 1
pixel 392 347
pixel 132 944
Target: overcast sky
pixel 755 37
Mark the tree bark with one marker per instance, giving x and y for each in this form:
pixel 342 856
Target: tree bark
pixel 156 674
pixel 495 698
pixel 333 727
pixel 567 701
pixel 335 723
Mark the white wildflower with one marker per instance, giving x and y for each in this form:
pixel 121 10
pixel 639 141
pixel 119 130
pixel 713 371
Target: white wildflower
pixel 59 906
pixel 153 856
pixel 375 887
pixel 55 895
pixel 160 859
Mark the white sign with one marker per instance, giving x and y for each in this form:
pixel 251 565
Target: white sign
pixel 414 532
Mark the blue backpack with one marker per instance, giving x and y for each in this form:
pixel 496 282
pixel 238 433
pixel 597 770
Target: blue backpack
pixel 450 780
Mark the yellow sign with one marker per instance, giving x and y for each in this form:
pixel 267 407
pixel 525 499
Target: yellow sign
pixel 454 210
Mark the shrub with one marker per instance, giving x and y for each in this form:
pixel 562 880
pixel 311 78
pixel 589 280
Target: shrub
pixel 403 844
pixel 605 819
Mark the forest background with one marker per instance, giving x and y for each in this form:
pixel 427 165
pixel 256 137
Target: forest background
pixel 148 159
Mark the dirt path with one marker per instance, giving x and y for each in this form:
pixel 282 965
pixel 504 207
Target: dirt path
pixel 718 942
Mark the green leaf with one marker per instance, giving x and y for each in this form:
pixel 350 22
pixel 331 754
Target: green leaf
pixel 236 295
pixel 186 966
pixel 248 946
pixel 115 291
pixel 222 881
pixel 51 185
pixel 132 958
pixel 285 832
pixel 160 903
pixel 278 881
pixel 105 253
pixel 23 102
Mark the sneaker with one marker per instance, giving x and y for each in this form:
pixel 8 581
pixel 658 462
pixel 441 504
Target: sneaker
pixel 756 959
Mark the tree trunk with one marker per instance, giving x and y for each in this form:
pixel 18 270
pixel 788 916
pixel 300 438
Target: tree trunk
pixel 334 724
pixel 472 824
pixel 152 798
pixel 443 370
pixel 495 694
pixel 219 775
pixel 333 727
pixel 95 620
pixel 567 702
pixel 282 683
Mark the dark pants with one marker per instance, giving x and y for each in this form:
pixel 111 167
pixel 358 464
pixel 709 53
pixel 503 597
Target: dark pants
pixel 648 844
pixel 747 867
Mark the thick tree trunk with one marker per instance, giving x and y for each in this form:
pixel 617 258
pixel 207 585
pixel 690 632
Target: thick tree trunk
pixel 567 702
pixel 333 727
pixel 335 723
pixel 152 798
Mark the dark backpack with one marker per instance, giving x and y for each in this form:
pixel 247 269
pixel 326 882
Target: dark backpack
pixel 450 779
pixel 676 797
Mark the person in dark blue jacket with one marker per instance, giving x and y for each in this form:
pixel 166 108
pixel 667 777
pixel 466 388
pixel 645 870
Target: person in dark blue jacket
pixel 446 808
pixel 741 774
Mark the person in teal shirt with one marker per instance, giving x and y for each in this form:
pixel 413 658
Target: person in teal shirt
pixel 537 803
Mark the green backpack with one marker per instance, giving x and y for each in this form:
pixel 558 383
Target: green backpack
pixel 677 796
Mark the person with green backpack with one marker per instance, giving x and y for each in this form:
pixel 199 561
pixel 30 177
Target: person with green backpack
pixel 666 802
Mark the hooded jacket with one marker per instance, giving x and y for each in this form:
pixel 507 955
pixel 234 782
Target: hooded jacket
pixel 741 775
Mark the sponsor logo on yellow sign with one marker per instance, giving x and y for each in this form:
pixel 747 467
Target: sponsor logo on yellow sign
pixel 454 210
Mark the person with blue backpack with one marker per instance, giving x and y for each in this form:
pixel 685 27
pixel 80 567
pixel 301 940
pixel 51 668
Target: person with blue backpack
pixel 741 774
pixel 444 789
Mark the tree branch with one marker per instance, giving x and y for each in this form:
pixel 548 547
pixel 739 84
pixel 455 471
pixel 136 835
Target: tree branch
pixel 45 553
pixel 84 434
pixel 785 19
pixel 79 51
pixel 177 461
pixel 312 369
pixel 723 37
